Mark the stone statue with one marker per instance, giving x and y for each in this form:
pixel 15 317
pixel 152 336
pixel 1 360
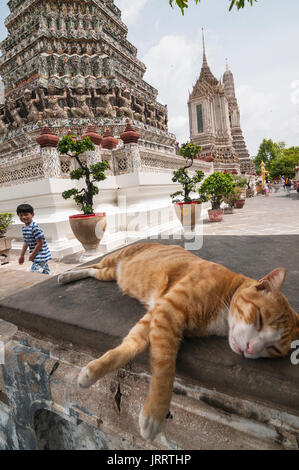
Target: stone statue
pixel 96 67
pixel 43 66
pixel 14 113
pixel 3 127
pixel 124 102
pixel 150 114
pixel 138 106
pixel 86 66
pixel 81 108
pixel 106 100
pixel 160 119
pixel 30 106
pixel 54 110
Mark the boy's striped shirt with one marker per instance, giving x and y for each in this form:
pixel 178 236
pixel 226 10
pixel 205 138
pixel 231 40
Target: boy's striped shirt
pixel 31 235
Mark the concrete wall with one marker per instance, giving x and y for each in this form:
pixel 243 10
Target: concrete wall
pixel 42 408
pixel 137 205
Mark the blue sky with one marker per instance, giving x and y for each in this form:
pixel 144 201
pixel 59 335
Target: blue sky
pixel 261 44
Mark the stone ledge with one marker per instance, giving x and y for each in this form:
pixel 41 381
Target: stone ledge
pixel 95 314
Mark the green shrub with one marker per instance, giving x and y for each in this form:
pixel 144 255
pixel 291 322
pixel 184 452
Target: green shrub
pixel 216 187
pixel 5 221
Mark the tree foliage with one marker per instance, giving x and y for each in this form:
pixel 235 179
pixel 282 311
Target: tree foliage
pixel 74 148
pixel 6 219
pixel 216 188
pixel 268 152
pixel 183 4
pixel 279 160
pixel 286 164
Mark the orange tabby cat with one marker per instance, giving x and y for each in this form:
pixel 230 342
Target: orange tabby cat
pixel 184 293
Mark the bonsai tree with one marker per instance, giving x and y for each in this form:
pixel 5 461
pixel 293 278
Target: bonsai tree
pixel 71 146
pixel 189 151
pixel 240 182
pixel 233 197
pixel 216 188
pixel 5 221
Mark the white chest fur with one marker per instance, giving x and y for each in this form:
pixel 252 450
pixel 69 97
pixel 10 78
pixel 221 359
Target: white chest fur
pixel 219 327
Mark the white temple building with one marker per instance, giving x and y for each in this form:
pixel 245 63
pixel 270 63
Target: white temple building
pixel 214 120
pixel 69 65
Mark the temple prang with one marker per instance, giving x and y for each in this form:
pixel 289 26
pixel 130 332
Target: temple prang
pixel 68 64
pixel 214 120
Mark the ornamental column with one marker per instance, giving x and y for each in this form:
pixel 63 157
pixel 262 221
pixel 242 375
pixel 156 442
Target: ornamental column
pixel 131 148
pixel 49 155
pixel 93 156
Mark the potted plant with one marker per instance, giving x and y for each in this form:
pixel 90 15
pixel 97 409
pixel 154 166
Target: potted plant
pixel 240 184
pixel 231 199
pixel 216 188
pixel 5 242
pixel 88 227
pixel 187 208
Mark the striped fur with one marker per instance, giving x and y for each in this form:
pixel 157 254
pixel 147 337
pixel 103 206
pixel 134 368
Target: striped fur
pixel 185 294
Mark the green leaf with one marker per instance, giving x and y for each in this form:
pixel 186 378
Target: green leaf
pixel 6 219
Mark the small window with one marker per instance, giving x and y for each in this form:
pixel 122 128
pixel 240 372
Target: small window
pixel 199 119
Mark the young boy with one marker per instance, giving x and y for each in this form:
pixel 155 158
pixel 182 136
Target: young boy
pixel 34 238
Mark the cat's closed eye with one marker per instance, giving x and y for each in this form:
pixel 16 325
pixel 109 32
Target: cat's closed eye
pixel 260 322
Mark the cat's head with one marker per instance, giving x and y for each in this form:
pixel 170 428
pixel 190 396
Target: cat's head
pixel 261 321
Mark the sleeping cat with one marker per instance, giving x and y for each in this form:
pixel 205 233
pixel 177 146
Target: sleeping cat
pixel 186 294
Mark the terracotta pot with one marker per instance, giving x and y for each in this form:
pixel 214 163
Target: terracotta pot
pixel 188 214
pixel 216 215
pixel 240 204
pixel 89 230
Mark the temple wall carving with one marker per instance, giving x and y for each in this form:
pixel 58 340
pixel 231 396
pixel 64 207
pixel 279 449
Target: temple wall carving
pixel 69 61
pixel 36 164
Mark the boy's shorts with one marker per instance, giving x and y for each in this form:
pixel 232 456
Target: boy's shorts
pixel 41 268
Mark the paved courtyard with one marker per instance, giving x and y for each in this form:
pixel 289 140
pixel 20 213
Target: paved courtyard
pixel 273 215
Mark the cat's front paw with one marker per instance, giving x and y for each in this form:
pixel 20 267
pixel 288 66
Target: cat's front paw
pixel 64 278
pixel 149 427
pixel 85 379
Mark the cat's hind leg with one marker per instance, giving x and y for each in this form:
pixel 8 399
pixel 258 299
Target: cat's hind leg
pixel 166 331
pixel 133 344
pixel 102 274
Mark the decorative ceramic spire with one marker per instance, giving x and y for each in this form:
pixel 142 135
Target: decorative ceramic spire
pixel 206 73
pixel 205 62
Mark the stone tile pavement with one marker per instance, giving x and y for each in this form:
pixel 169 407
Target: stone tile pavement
pixel 273 215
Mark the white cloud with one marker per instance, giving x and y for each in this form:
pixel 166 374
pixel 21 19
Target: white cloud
pixel 254 104
pixel 130 9
pixel 179 125
pixel 173 65
pixel 265 115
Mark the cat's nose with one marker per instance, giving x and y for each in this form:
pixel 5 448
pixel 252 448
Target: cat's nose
pixel 249 349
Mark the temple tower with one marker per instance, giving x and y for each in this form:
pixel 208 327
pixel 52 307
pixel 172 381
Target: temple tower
pixel 209 119
pixel 234 117
pixel 68 64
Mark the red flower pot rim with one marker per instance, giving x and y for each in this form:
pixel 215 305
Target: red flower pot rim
pixel 182 203
pixel 79 216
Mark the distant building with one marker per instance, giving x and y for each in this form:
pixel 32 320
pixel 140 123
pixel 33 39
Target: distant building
pixel 214 120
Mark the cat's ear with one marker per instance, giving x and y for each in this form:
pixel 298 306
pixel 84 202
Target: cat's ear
pixel 273 281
